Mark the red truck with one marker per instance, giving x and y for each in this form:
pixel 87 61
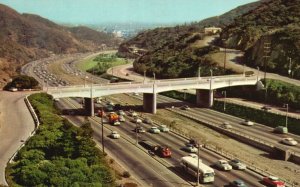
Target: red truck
pixel 162 151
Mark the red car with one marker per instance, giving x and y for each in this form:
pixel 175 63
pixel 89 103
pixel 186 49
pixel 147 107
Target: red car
pixel 273 182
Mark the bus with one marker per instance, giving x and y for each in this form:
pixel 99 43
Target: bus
pixel 190 165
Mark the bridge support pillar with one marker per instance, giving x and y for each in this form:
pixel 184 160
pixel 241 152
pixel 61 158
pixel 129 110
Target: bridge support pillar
pixel 205 98
pixel 149 102
pixel 89 106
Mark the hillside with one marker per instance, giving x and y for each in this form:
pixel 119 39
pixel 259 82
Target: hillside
pixel 276 22
pixel 175 51
pixel 26 37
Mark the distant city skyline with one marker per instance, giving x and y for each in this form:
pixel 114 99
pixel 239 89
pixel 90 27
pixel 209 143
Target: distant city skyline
pixel 124 11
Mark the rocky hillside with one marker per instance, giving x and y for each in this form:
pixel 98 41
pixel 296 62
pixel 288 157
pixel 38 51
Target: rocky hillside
pixel 26 37
pixel 175 51
pixel 270 35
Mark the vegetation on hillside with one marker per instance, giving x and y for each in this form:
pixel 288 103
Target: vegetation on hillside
pixel 274 25
pixel 59 154
pixel 22 82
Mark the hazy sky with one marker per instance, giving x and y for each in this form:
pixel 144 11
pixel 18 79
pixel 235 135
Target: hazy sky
pixel 124 11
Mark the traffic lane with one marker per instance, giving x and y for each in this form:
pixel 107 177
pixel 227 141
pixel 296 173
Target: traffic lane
pixel 175 143
pixel 147 169
pixel 253 131
pixel 16 125
pixel 156 175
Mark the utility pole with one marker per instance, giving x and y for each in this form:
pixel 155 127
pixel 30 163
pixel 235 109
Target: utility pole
pixel 267 51
pixel 290 66
pixel 102 115
pixel 224 55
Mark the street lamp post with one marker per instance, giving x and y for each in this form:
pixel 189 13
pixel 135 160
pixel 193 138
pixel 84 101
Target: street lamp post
pixel 199 72
pixel 144 76
pixel 286 115
pixel 257 72
pixel 154 77
pixel 290 66
pixel 198 163
pixel 85 80
pixel 102 114
pixel 224 92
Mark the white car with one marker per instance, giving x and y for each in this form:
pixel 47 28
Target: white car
pixel 115 135
pixel 121 112
pixel 223 165
pixel 121 118
pixel 237 164
pixel 137 120
pixel 163 128
pixel 247 123
pixel 289 141
pixel 116 123
pixel 154 130
pixel 190 148
pixel 133 114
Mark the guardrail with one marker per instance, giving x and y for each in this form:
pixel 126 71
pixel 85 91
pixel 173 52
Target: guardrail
pixel 36 122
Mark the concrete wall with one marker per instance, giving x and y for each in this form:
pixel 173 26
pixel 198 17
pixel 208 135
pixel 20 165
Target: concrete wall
pixel 89 106
pixel 204 98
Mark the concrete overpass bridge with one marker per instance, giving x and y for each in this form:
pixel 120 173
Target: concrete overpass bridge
pixel 204 89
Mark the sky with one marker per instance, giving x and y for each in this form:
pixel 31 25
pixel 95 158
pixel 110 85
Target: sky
pixel 124 11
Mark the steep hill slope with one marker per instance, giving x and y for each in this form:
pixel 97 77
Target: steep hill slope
pixel 25 37
pixel 175 51
pixel 271 30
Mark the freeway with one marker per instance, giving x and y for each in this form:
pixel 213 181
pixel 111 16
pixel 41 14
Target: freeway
pixel 258 131
pixel 176 143
pixel 147 170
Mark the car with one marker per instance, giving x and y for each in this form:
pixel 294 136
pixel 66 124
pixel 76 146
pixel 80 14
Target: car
pixel 116 123
pixel 110 103
pixel 110 108
pixel 237 164
pixel 185 107
pixel 133 114
pixel 238 183
pixel 114 135
pixel 121 118
pixel 193 142
pixel 266 108
pixel 273 181
pixel 190 148
pixel 247 123
pixel 163 128
pixel 289 141
pixel 223 165
pixel 139 129
pixel 148 121
pixel 154 130
pixel 137 120
pixel 121 112
pixel 281 130
pixel 226 125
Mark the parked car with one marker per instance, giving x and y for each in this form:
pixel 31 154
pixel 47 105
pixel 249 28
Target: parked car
pixel 238 183
pixel 121 118
pixel 154 130
pixel 139 129
pixel 226 125
pixel 148 121
pixel 237 164
pixel 247 123
pixel 289 141
pixel 281 130
pixel 185 107
pixel 190 148
pixel 163 128
pixel 223 165
pixel 114 135
pixel 273 181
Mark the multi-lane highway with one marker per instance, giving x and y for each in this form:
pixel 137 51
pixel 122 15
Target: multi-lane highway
pixel 176 143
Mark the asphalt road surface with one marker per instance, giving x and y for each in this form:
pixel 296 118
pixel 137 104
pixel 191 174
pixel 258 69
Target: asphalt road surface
pixel 16 124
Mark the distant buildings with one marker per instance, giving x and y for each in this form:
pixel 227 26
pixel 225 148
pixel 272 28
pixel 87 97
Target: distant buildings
pixel 212 30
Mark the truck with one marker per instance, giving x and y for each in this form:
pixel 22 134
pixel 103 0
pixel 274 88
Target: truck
pixel 162 151
pixel 113 117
